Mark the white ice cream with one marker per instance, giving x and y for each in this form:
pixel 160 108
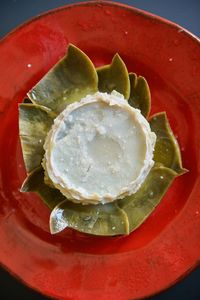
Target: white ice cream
pixel 99 149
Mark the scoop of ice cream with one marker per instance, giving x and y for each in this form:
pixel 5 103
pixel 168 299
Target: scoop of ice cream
pixel 99 149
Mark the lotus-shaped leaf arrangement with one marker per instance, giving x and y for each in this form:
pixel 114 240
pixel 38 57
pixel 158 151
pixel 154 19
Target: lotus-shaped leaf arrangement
pixel 71 79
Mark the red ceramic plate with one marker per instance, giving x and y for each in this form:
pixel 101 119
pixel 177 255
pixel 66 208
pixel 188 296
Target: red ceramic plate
pixel 167 245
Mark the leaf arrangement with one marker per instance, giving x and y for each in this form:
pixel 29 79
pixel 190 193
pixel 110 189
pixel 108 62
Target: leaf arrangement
pixel 71 79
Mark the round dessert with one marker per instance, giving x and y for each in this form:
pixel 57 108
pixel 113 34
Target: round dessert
pixel 99 149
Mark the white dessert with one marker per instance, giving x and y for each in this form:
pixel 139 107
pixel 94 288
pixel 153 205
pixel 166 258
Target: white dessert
pixel 99 149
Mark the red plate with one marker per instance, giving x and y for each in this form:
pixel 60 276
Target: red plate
pixel 167 245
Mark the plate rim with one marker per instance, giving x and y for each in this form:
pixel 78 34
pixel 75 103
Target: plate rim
pixel 40 292
pixel 139 11
pixel 144 14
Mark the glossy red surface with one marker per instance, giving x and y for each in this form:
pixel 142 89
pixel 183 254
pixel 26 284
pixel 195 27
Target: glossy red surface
pixel 73 265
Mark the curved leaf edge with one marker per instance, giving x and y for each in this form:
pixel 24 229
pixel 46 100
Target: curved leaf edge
pixel 71 50
pixel 140 96
pixel 116 63
pixel 126 229
pixel 181 170
pixel 35 121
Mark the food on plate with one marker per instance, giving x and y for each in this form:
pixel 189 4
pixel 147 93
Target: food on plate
pixel 108 147
pixel 90 150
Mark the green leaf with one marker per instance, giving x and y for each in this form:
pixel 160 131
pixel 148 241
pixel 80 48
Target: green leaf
pixel 119 217
pixel 35 183
pixel 140 96
pixel 71 79
pixel 141 204
pixel 100 219
pixel 114 77
pixel 34 123
pixel 167 150
pixel 116 218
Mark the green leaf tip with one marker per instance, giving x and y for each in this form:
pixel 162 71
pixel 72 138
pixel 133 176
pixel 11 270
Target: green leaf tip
pixel 71 79
pixel 140 96
pixel 114 77
pixel 167 151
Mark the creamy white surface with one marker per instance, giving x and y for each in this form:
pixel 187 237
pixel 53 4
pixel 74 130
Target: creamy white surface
pixel 99 149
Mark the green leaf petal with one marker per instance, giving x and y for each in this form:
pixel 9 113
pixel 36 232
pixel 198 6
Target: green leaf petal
pixel 167 150
pixel 34 123
pixel 99 219
pixel 35 183
pixel 106 219
pixel 140 205
pixel 140 96
pixel 71 79
pixel 114 77
pixel 120 217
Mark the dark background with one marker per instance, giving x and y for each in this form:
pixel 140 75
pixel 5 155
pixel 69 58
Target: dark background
pixel 184 12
